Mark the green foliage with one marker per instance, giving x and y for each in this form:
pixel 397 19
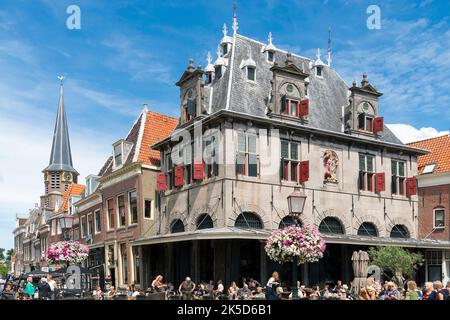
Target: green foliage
pixel 9 254
pixel 3 270
pixel 2 254
pixel 395 259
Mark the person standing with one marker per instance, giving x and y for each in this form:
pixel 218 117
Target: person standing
pixel 428 292
pixel 186 289
pixel 411 293
pixel 441 294
pixel 44 289
pixel 29 290
pixel 272 285
pixel 52 284
pixel 8 293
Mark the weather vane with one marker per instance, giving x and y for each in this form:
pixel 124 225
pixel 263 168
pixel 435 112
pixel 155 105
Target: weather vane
pixel 61 78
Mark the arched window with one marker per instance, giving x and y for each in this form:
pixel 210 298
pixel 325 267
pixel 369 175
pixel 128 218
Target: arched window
pixel 177 226
pixel 368 229
pixel 248 220
pixel 399 231
pixel 331 225
pixel 204 221
pixel 289 221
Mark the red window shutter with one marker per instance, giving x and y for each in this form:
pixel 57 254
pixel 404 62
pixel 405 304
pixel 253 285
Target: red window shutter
pixel 161 182
pixel 179 176
pixel 198 170
pixel 286 170
pixel 380 182
pixel 378 125
pixel 304 171
pixel 304 108
pixel 411 187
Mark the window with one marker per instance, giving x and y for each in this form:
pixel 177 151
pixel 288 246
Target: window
pixel 209 78
pixel 289 161
pixel 399 231
pixel 177 226
pixel 83 227
pixel 98 225
pixel 367 229
pixel 204 221
pixel 319 71
pixel 121 209
pixel 331 225
pixel 89 224
pixel 429 168
pixel 365 122
pixel 439 218
pixel 211 166
pixel 270 56
pixel 148 209
pixel 169 170
pixel 224 49
pixel 398 177
pixel 247 157
pixel 289 106
pixel 111 214
pixel 118 155
pixel 366 172
pixel 55 180
pixel 248 220
pixel 218 72
pixel 289 221
pixel 251 71
pixel 133 206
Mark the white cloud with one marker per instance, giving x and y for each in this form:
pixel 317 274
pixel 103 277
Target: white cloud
pixel 407 133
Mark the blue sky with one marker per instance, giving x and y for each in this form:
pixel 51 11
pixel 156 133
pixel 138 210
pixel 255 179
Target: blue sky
pixel 132 52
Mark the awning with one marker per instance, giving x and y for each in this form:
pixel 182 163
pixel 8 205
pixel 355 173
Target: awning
pixel 257 234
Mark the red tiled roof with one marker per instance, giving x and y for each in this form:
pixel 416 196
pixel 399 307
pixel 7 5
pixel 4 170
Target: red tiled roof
pixel 439 148
pixel 157 127
pixel 72 190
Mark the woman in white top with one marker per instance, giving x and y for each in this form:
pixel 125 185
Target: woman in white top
pixel 220 288
pixel 271 287
pixel 233 291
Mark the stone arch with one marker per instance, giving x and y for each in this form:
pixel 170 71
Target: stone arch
pixel 306 221
pixel 333 219
pixel 369 218
pixel 174 216
pixel 177 224
pixel 332 214
pixel 366 107
pixel 296 93
pixel 249 220
pixel 400 221
pixel 192 223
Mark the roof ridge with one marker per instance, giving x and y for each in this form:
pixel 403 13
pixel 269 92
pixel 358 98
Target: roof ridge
pixel 431 138
pixel 161 114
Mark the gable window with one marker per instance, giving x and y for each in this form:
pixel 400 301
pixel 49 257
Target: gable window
pixel 365 122
pixel 218 72
pixel 148 209
pixel 111 214
pixel 98 225
pixel 439 218
pixel 398 177
pixel 133 206
pixel 246 157
pixel 121 209
pixel 270 56
pixel 224 49
pixel 366 172
pixel 251 73
pixel 289 161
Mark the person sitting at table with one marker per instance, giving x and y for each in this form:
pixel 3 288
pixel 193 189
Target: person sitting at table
pixel 111 293
pixel 245 293
pixel 300 291
pixel 233 291
pixel 259 294
pixel 97 293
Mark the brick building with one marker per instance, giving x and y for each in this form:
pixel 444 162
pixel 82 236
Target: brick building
pixel 434 204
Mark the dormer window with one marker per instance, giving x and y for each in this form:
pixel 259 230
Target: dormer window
pixel 251 73
pixel 429 168
pixel 209 78
pixel 270 56
pixel 319 71
pixel 224 49
pixel 190 106
pixel 121 149
pixel 365 122
pixel 218 72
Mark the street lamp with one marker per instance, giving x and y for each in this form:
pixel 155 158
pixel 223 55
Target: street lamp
pixel 66 223
pixel 296 204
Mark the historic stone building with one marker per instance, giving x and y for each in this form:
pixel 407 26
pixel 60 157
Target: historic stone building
pixel 434 205
pixel 272 121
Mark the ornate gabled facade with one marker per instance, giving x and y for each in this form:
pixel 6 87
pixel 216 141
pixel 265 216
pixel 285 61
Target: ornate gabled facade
pixel 272 121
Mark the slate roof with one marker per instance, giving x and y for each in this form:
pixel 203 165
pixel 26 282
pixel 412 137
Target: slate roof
pixel 149 128
pixel 61 156
pixel 439 148
pixel 327 94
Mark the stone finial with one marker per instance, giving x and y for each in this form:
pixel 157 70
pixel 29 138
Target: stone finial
pixel 191 65
pixel 224 30
pixel 270 39
pixel 364 81
pixel 209 58
pixel 199 67
pixel 289 59
pixel 354 83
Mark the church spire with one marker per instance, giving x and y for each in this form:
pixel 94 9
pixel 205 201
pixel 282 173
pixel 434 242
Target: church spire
pixel 61 156
pixel 235 21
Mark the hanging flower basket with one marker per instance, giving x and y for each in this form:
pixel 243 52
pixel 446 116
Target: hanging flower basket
pixel 304 243
pixel 71 252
